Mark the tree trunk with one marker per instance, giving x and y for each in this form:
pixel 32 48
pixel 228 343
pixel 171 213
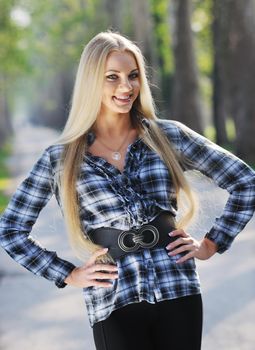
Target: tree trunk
pixel 52 108
pixel 114 16
pixel 219 110
pixel 186 105
pixel 144 37
pixel 239 71
pixel 160 31
pixel 5 120
pixel 142 28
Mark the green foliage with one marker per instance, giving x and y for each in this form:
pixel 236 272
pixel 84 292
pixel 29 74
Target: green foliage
pixel 202 24
pixel 231 130
pixel 59 30
pixel 53 41
pixel 210 132
pixel 4 177
pixel 202 19
pixel 159 9
pixel 12 50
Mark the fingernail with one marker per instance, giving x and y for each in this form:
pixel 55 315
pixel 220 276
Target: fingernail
pixel 105 249
pixel 170 233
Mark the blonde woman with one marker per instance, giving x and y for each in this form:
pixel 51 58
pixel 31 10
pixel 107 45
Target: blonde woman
pixel 117 172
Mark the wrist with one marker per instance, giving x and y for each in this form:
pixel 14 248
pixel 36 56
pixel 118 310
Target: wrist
pixel 211 246
pixel 69 278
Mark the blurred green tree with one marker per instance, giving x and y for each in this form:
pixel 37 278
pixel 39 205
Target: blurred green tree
pixel 58 32
pixel 219 107
pixel 186 100
pixel 193 49
pixel 13 61
pixel 161 33
pixel 237 53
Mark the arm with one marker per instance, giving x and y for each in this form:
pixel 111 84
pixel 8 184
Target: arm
pixel 19 217
pixel 228 172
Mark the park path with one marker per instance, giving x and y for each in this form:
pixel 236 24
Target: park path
pixel 35 315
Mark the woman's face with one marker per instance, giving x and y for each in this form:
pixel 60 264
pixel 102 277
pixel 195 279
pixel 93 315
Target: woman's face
pixel 121 83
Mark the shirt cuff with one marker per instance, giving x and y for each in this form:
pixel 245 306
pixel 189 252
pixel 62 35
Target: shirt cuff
pixel 221 239
pixel 58 270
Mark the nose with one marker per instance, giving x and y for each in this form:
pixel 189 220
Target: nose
pixel 125 85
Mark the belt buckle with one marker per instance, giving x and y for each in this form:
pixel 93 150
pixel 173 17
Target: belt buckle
pixel 131 241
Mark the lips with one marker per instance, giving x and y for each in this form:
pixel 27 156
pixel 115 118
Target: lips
pixel 122 99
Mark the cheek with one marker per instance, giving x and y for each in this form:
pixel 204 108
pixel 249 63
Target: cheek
pixel 108 91
pixel 109 86
pixel 136 86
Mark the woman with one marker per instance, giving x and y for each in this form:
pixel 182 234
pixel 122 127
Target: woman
pixel 117 172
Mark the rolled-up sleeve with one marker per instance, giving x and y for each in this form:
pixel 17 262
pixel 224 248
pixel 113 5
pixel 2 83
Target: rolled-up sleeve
pixel 229 173
pixel 19 217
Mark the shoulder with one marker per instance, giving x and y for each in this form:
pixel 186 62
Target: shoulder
pixel 172 128
pixel 170 125
pixel 52 154
pixel 55 150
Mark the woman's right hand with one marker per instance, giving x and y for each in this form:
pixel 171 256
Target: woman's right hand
pixel 91 273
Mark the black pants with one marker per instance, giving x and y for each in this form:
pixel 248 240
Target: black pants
pixel 167 325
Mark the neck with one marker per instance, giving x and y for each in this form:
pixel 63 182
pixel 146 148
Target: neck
pixel 111 126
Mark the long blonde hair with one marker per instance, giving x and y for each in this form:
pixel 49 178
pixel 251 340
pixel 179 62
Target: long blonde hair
pixel 85 107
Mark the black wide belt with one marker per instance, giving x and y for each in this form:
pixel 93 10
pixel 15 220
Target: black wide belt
pixel 148 236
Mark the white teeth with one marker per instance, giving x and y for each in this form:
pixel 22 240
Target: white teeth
pixel 123 98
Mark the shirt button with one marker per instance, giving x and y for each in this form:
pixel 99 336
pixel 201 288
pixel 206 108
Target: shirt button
pixel 149 263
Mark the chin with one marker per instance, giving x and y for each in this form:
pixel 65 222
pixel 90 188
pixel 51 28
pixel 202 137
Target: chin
pixel 122 110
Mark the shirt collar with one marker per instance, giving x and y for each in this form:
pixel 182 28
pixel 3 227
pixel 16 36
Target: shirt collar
pixel 91 136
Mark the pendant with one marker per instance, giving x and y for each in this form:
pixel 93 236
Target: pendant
pixel 116 155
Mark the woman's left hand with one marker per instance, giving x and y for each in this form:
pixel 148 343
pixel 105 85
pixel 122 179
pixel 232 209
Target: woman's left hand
pixel 202 250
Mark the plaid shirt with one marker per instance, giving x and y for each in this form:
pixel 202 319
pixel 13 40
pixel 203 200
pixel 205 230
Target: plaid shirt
pixel 127 200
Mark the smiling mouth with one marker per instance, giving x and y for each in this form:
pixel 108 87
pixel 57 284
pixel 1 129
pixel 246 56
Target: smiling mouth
pixel 125 99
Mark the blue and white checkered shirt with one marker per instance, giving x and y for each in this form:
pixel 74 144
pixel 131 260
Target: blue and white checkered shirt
pixel 124 200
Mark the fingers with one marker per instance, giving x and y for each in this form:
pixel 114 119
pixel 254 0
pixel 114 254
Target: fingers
pixel 103 276
pixel 97 272
pixel 179 232
pixel 103 267
pixel 101 284
pixel 184 238
pixel 102 270
pixel 93 273
pixel 182 244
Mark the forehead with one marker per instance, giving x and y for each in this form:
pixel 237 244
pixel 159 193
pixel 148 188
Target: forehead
pixel 117 60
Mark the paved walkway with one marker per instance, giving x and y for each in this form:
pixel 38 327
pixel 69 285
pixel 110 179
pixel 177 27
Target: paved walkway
pixel 35 315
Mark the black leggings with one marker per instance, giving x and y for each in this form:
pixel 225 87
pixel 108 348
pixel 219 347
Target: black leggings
pixel 171 324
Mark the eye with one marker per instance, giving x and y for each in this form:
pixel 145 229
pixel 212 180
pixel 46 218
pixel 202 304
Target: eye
pixel 111 77
pixel 134 75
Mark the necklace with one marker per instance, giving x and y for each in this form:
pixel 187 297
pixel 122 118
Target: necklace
pixel 115 154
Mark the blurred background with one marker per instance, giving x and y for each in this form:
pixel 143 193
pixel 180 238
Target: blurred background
pixel 200 56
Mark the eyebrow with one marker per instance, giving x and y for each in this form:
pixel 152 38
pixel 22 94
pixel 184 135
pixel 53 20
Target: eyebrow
pixel 117 71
